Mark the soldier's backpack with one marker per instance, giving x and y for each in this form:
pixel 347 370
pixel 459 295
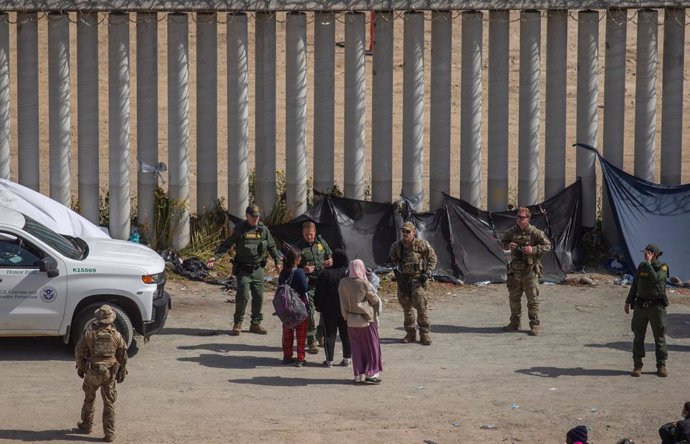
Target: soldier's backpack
pixel 288 305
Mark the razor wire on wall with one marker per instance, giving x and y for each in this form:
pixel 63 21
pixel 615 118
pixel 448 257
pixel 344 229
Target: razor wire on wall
pixel 456 132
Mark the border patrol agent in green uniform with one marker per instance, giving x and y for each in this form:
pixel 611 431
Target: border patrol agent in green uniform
pixel 415 260
pixel 527 245
pixel 647 297
pixel 252 242
pixel 316 255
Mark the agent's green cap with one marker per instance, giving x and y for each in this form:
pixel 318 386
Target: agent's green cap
pixel 653 248
pixel 253 210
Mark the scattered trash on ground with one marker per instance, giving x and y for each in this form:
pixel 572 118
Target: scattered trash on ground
pixel 488 426
pixel 515 406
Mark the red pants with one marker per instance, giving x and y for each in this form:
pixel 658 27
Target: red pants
pixel 288 337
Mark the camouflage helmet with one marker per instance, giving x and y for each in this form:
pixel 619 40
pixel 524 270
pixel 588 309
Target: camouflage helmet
pixel 105 314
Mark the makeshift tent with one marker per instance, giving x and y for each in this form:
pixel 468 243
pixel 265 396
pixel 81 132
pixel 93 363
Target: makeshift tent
pixel 465 238
pixel 47 211
pixel 646 212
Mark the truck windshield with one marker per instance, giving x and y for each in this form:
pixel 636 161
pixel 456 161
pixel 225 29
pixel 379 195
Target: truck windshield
pixel 57 241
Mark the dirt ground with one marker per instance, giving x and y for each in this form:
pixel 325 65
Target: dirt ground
pixel 195 383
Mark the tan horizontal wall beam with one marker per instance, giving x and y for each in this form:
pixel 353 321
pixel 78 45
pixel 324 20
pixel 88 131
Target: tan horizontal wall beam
pixel 324 5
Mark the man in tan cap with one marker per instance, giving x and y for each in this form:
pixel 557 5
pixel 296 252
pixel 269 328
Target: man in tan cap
pixel 253 243
pixel 101 357
pixel 415 260
pixel 647 297
pixel 527 245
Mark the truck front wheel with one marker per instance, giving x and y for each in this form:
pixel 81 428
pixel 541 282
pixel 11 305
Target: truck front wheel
pixel 87 316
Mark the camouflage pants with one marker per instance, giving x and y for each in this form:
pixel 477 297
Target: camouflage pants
pixel 95 378
pixel 518 284
pixel 414 299
pixel 250 283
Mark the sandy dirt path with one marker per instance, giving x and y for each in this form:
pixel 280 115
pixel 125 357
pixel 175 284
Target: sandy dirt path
pixel 195 383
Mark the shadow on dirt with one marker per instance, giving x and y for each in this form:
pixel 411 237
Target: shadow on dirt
pixel 193 332
pixel 224 348
pixel 462 329
pixel 48 435
pixel 45 349
pixel 648 346
pixel 555 372
pixel 238 362
pixel 678 325
pixel 35 349
pixel 279 381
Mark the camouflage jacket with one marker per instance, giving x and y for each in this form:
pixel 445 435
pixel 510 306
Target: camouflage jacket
pixel 412 261
pixel 100 345
pixel 532 236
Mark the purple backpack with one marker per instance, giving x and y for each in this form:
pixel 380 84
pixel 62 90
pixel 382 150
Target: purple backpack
pixel 288 305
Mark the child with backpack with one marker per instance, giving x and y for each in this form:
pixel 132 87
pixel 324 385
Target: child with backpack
pixel 294 276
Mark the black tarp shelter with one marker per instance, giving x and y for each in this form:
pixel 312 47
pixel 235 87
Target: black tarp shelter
pixel 465 238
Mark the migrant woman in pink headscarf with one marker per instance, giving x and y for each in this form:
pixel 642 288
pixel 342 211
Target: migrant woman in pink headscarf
pixel 359 303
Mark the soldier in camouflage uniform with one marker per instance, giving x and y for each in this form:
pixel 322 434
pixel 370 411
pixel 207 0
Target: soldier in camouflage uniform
pixel 101 358
pixel 253 243
pixel 414 259
pixel 647 297
pixel 527 245
pixel 316 255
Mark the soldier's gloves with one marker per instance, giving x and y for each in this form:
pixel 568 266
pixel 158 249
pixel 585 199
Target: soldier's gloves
pixel 424 277
pixel 80 372
pixel 121 376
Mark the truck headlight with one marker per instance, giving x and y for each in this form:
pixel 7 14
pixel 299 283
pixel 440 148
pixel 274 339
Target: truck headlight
pixel 153 279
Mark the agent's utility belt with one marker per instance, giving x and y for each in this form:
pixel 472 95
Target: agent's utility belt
pixel 238 267
pixel 646 303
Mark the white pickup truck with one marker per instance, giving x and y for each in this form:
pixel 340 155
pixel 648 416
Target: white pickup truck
pixel 51 284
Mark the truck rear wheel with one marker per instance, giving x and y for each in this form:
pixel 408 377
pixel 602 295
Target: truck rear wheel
pixel 87 316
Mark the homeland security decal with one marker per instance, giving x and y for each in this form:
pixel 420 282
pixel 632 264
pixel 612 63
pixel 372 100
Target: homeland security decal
pixel 48 294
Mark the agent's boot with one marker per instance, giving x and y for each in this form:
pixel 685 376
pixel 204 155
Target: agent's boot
pixel 236 329
pixel 258 329
pixel 534 330
pixel 661 371
pixel 424 339
pixel 84 427
pixel 637 371
pixel 411 336
pixel 513 326
pixel 109 438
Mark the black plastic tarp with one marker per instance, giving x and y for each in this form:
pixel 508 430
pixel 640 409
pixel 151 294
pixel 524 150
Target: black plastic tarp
pixel 646 212
pixel 465 238
pixel 365 230
pixel 476 234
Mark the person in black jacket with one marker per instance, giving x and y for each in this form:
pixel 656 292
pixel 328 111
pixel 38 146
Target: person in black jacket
pixel 677 432
pixel 327 302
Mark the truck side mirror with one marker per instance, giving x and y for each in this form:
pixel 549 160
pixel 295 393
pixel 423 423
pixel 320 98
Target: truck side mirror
pixel 50 266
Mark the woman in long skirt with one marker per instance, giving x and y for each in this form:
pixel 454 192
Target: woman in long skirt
pixel 358 303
